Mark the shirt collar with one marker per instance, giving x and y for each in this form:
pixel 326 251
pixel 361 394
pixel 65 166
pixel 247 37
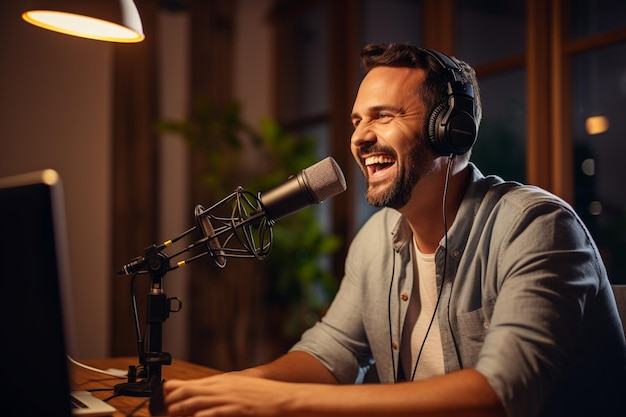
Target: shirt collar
pixel 402 233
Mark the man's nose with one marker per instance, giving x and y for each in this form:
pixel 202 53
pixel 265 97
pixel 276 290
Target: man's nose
pixel 362 135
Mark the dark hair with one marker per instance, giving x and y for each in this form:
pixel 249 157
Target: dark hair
pixel 433 91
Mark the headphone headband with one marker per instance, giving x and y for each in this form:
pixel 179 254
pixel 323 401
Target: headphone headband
pixel 445 62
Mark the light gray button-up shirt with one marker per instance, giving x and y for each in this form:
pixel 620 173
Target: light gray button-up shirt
pixel 525 300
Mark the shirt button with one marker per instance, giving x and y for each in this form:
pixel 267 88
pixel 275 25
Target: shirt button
pixel 404 296
pixel 394 345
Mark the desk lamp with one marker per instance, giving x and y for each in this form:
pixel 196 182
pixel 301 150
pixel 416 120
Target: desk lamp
pixel 104 20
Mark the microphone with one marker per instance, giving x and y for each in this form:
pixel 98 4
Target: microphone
pixel 312 185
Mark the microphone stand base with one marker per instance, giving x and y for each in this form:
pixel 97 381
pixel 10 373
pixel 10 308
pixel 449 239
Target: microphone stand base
pixel 134 389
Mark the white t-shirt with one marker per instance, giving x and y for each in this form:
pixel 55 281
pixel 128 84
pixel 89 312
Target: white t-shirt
pixel 430 362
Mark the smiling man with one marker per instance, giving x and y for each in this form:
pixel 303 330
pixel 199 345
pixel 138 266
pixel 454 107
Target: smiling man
pixel 464 295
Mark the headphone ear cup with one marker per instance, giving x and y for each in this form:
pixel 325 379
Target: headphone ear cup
pixel 451 127
pixel 436 135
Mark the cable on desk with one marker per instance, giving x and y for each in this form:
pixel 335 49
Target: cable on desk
pixel 117 373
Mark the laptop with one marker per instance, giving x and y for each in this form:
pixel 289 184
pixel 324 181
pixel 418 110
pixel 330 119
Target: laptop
pixel 35 286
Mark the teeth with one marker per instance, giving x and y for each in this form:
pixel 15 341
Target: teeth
pixel 371 160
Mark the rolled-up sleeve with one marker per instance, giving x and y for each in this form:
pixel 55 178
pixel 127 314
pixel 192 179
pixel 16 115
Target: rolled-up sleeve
pixel 547 269
pixel 339 340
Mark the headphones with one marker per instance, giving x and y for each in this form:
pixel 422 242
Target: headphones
pixel 452 126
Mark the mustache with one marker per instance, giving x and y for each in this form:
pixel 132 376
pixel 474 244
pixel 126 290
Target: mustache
pixel 376 148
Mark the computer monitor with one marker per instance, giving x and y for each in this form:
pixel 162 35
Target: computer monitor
pixel 34 283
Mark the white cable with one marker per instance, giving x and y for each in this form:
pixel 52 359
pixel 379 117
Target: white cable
pixel 118 373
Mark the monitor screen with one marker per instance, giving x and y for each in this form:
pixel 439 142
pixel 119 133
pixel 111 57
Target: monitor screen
pixel 34 281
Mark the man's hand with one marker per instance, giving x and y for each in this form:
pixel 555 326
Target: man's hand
pixel 229 394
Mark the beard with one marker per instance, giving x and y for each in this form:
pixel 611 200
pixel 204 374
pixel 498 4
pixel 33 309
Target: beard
pixel 410 171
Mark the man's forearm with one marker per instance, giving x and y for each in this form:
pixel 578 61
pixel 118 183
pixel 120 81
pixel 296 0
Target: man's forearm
pixel 464 392
pixel 293 367
pixel 461 393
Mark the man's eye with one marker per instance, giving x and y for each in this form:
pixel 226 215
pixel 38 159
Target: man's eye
pixel 385 116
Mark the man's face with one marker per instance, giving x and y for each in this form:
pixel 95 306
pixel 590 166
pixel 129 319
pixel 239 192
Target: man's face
pixel 387 142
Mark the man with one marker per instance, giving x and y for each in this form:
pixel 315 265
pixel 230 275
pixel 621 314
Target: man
pixel 467 295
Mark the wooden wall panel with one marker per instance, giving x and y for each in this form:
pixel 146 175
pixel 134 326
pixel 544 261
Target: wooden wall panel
pixel 135 171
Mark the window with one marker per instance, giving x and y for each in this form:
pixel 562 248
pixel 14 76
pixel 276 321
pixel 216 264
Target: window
pixel 496 52
pixel 596 48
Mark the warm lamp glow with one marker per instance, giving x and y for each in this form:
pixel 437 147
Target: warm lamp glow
pixel 105 20
pixel 596 125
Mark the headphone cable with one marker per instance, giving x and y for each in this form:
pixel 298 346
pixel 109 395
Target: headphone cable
pixel 445 261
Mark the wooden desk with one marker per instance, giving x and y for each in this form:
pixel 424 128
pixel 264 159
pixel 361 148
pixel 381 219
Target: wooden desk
pixel 84 379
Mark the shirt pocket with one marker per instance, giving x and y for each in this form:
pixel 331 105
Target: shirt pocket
pixel 472 328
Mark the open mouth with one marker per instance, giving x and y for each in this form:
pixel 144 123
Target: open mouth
pixel 379 163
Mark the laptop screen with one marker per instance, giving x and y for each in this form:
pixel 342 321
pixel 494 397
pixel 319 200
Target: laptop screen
pixel 34 279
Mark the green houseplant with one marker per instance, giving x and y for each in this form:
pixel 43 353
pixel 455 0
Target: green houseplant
pixel 236 153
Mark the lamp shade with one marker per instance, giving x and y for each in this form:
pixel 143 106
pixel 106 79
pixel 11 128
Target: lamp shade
pixel 105 20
